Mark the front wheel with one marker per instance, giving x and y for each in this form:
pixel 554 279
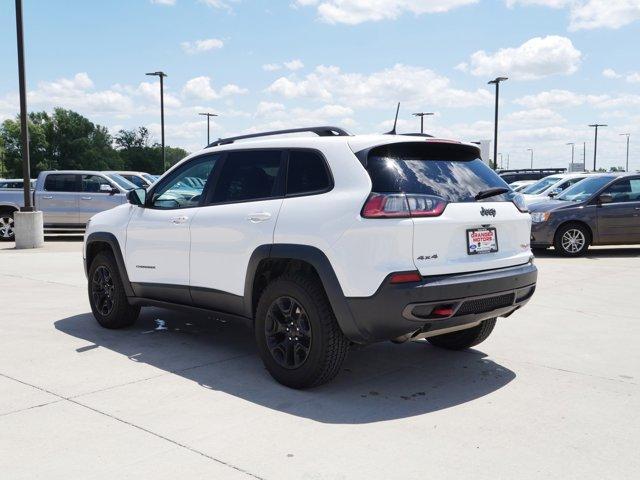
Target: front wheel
pixel 298 337
pixel 464 339
pixel 572 240
pixel 7 232
pixel 106 294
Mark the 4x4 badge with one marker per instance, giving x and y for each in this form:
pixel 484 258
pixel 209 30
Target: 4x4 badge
pixel 487 212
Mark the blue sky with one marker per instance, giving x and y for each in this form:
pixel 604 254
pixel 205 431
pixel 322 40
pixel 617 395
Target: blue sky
pixel 273 64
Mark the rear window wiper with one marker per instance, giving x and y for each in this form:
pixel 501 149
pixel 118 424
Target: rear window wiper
pixel 491 192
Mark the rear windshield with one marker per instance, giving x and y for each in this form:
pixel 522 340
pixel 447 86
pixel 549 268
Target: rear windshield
pixel 449 171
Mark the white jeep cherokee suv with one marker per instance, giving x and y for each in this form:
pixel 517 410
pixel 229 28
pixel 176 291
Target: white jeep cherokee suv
pixel 321 242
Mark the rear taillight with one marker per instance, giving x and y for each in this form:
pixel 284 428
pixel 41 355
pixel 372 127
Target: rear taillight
pixel 401 205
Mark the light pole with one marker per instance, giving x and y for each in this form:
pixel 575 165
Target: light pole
pixel 161 75
pixel 531 150
pixel 627 135
pixel 584 156
pixel 208 115
pixel 422 115
pixel 496 81
pixel 573 146
pixel 595 143
pixel 500 159
pixel 24 132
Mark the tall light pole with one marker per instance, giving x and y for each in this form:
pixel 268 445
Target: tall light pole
pixel 531 150
pixel 573 146
pixel 24 132
pixel 584 156
pixel 161 75
pixel 500 159
pixel 595 143
pixel 208 115
pixel 627 135
pixel 422 115
pixel 496 81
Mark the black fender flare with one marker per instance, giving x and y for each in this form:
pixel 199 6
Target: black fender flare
pixel 111 240
pixel 319 261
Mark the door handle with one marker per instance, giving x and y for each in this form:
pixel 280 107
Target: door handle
pixel 258 217
pixel 85 198
pixel 178 220
pixel 47 197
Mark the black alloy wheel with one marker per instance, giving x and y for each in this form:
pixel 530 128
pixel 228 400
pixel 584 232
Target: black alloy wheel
pixel 288 332
pixel 102 290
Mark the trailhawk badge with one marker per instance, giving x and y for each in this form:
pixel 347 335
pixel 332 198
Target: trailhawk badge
pixel 487 212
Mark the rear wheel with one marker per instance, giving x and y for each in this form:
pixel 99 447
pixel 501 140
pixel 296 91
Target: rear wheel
pixel 106 294
pixel 572 240
pixel 464 339
pixel 297 334
pixel 7 233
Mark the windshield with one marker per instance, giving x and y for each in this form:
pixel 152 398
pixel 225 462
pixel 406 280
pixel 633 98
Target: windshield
pixel 121 181
pixel 584 190
pixel 541 186
pixel 452 172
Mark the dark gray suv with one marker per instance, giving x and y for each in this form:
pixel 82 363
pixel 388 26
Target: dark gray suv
pixel 600 210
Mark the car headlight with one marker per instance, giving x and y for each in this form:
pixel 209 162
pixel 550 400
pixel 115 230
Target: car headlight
pixel 538 217
pixel 520 203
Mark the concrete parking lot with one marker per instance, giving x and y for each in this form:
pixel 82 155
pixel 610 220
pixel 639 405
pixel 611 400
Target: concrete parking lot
pixel 553 393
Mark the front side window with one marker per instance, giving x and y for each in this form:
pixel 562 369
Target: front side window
pixel 93 183
pixel 249 175
pixel 183 189
pixel 137 181
pixel 307 173
pixel 626 190
pixel 61 182
pixel 540 186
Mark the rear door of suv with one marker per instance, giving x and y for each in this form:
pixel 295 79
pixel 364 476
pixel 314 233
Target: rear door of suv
pixel 436 184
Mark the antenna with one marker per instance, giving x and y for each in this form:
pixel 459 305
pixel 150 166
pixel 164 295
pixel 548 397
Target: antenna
pixel 395 122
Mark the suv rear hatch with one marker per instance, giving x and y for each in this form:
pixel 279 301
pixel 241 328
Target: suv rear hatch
pixel 437 185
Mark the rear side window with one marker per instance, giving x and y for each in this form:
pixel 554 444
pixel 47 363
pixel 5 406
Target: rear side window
pixel 452 172
pixel 61 182
pixel 249 175
pixel 307 173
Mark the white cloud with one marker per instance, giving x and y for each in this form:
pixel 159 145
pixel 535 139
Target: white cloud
pixel 590 14
pixel 200 88
pixel 292 65
pixel 271 67
pixel 610 73
pixel 536 116
pixel 633 77
pixel 353 12
pixel 164 2
pixel 220 4
pixel 408 84
pixel 200 46
pixel 295 64
pixel 565 99
pixel 536 58
pixel 151 90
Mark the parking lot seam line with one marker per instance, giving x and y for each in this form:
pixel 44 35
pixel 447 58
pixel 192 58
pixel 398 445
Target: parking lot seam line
pixel 57 400
pixel 150 432
pixel 39 280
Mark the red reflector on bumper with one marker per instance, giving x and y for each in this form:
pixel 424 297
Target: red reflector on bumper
pixel 442 311
pixel 405 277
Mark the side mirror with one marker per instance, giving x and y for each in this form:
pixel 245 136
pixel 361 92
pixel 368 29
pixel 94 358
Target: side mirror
pixel 605 198
pixel 137 196
pixel 555 192
pixel 104 188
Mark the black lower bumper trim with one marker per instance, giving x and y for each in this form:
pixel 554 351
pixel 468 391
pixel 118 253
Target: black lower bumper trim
pixel 463 298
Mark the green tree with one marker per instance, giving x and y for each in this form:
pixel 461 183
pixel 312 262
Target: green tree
pixel 139 154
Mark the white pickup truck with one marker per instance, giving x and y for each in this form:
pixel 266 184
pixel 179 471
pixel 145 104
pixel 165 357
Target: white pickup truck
pixel 67 198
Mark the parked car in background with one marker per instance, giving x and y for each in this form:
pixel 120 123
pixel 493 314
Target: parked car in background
pixel 511 176
pixel 600 210
pixel 68 199
pixel 519 185
pixel 139 179
pixel 11 183
pixel 551 186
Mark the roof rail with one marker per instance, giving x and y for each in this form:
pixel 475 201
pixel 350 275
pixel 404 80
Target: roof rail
pixel 326 131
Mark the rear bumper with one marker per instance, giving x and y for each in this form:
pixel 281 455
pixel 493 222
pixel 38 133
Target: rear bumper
pixel 408 309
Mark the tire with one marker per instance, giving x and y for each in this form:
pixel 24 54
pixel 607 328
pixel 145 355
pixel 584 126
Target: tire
pixel 7 232
pixel 312 351
pixel 572 240
pixel 106 294
pixel 464 339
